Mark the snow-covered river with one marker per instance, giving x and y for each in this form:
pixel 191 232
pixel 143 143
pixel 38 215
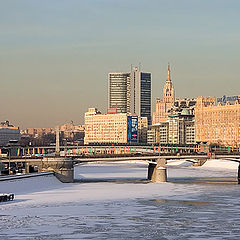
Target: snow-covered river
pixel 114 201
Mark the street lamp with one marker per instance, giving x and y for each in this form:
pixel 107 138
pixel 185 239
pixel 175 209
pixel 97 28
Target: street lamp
pixel 9 157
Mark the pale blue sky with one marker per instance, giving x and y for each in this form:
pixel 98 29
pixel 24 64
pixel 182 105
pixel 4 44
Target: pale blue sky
pixel 55 54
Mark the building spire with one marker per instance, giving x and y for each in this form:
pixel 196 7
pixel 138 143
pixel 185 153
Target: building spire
pixel 169 78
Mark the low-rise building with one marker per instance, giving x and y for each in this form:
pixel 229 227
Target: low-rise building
pixel 68 131
pixel 37 132
pixel 178 129
pixel 158 133
pixel 217 124
pixel 181 128
pixel 8 133
pixel 151 135
pixel 71 131
pixel 110 128
pixel 163 134
pixel 142 129
pixel 190 132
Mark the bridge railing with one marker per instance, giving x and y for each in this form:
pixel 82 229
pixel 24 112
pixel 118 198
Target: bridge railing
pixel 116 150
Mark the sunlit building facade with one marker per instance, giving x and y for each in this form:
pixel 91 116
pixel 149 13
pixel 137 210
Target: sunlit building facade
pixel 178 129
pixel 217 124
pixel 110 128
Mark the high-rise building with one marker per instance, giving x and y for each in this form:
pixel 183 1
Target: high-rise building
pixel 130 93
pixel 119 92
pixel 164 105
pixel 140 94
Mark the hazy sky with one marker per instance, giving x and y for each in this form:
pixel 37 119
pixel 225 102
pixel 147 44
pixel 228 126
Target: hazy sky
pixel 55 54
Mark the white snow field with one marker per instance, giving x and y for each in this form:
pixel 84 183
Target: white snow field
pixel 114 201
pixel 221 164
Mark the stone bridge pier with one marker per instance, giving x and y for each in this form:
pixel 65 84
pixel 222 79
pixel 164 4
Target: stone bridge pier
pixel 157 171
pixel 62 167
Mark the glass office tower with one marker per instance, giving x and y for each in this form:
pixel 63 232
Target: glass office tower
pixel 118 92
pixel 130 93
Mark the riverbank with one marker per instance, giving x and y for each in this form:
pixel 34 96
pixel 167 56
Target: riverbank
pixel 120 204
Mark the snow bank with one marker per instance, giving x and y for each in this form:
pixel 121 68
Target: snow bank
pixel 29 185
pixel 220 164
pixel 180 163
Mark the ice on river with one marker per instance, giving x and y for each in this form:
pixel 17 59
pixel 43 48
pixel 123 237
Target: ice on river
pixel 114 201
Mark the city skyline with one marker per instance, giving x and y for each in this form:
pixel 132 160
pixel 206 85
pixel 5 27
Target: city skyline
pixel 55 56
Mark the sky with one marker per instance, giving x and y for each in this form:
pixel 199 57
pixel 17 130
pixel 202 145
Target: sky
pixel 55 55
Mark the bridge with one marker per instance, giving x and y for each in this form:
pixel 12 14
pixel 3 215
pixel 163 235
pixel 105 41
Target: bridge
pixel 63 167
pixel 61 159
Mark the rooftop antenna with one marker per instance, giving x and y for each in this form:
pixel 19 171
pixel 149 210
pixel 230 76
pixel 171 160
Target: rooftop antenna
pixel 139 66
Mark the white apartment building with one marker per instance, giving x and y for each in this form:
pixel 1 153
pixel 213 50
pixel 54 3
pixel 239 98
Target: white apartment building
pixel 178 129
pixel 110 128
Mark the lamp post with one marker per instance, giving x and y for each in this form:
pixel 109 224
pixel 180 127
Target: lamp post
pixel 9 162
pixel 159 149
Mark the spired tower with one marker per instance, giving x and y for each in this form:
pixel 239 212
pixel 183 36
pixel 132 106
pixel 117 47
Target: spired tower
pixel 168 91
pixel 165 104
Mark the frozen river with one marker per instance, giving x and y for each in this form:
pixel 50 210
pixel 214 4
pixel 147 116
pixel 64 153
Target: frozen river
pixel 114 201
